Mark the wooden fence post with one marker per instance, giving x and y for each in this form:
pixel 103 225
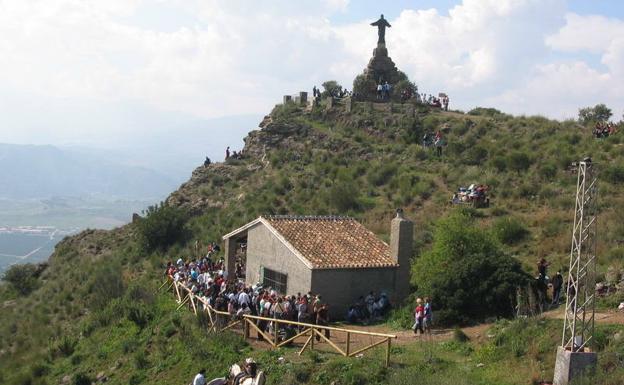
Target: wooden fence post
pixel 348 343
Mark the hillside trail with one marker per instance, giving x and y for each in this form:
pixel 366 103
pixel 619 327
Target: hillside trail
pixel 477 332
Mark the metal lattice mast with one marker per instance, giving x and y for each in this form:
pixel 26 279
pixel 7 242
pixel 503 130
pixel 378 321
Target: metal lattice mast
pixel 578 327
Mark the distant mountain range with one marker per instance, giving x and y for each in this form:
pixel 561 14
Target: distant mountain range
pixel 31 172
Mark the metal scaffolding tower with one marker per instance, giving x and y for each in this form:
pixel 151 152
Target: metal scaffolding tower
pixel 578 326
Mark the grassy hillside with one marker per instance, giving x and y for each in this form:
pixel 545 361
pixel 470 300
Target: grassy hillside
pixel 95 309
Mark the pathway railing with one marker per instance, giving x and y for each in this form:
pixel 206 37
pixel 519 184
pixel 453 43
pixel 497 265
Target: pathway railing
pixel 346 342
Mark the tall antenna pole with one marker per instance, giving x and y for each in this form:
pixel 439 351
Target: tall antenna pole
pixel 578 326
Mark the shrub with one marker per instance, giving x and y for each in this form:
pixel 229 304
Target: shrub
pixel 162 226
pixel 482 111
pixel 106 285
pixel 81 379
pixel 343 196
pixel 614 174
pixel 66 346
pixel 459 335
pixel 499 163
pixel 364 88
pixel 23 278
pixel 547 170
pixel 475 155
pixel 465 263
pixel 138 314
pixel 382 174
pixel 509 230
pixel 140 360
pixel 518 161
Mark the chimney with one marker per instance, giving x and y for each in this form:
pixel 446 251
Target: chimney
pixel 401 249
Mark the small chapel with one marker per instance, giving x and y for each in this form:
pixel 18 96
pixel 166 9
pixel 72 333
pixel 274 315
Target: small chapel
pixel 334 256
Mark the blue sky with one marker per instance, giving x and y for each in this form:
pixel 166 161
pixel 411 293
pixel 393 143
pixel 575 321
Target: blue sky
pixel 62 61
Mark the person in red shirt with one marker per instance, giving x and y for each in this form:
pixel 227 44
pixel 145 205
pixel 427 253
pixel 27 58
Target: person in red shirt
pixel 419 315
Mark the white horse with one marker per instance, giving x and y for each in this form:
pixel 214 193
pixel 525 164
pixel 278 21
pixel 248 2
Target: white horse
pixel 235 370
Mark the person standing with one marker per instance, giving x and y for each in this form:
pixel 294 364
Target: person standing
pixel 419 313
pixel 557 283
pixel 227 153
pixel 322 319
pixel 199 378
pixel 428 317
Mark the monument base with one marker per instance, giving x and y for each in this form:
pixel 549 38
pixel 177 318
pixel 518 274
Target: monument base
pixel 571 365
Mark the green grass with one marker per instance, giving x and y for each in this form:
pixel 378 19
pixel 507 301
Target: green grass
pixel 378 157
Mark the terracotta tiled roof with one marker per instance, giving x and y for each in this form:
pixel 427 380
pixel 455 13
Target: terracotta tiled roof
pixel 333 242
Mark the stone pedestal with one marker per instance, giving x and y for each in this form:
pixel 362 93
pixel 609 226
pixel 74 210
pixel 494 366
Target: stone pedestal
pixel 303 98
pixel 381 68
pixel 287 99
pixel 329 103
pixel 348 105
pixel 571 365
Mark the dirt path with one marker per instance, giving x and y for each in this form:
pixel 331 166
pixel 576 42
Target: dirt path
pixel 602 317
pixel 477 332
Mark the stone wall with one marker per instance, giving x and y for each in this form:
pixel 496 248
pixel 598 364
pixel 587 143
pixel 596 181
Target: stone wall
pixel 266 250
pixel 342 287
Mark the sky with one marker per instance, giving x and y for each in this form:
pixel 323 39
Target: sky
pixel 108 73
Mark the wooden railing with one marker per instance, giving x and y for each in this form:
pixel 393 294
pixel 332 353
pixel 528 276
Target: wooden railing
pixel 346 342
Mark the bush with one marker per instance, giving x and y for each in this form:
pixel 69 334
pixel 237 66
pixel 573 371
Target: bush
pixel 547 170
pixel 364 88
pixel 23 278
pixel 475 155
pixel 81 379
pixel 509 230
pixel 66 346
pixel 518 161
pixel 464 265
pixel 162 226
pixel 106 285
pixel 459 335
pixel 614 174
pixel 343 196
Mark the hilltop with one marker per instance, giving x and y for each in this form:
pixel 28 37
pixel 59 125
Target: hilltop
pixel 96 308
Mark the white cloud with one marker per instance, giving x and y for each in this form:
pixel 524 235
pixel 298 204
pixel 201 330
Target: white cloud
pixel 560 88
pixel 212 58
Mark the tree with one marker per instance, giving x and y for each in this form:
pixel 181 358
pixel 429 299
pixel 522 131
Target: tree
pixel 162 226
pixel 364 88
pixel 598 113
pixel 466 273
pixel 401 86
pixel 23 278
pixel 518 161
pixel 331 88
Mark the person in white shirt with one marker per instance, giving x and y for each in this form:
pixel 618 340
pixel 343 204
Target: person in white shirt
pixel 243 298
pixel 199 378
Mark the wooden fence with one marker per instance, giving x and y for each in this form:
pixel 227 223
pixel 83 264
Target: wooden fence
pixel 347 342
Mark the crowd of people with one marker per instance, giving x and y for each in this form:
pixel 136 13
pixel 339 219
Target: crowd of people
pixel 337 93
pixel 233 154
pixel 209 281
pixel 368 309
pixel 475 193
pixel 441 101
pixel 604 129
